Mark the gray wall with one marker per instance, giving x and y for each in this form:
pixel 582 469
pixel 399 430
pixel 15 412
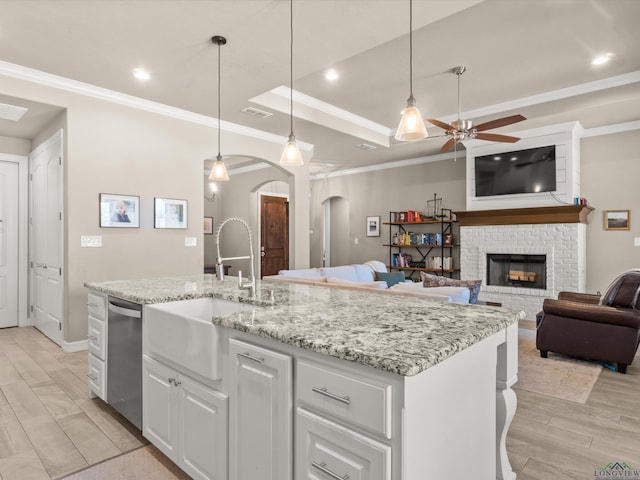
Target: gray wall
pixel 377 193
pixel 610 181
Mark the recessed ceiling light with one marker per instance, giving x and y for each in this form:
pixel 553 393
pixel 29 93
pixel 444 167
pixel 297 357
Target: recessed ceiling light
pixel 141 74
pixel 497 157
pixel 331 74
pixel 601 59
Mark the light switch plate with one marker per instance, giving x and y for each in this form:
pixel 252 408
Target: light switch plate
pixel 636 242
pixel 88 241
pixel 190 241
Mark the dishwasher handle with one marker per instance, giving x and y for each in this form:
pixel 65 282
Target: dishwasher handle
pixel 125 311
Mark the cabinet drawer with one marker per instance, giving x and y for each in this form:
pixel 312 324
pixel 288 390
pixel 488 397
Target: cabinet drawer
pixel 97 305
pixel 97 338
pixel 97 377
pixel 328 450
pixel 362 402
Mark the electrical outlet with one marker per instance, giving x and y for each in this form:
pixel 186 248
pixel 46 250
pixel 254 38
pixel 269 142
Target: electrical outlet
pixel 87 241
pixel 190 241
pixel 355 241
pixel 636 242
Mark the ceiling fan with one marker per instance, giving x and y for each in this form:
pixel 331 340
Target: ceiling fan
pixel 459 129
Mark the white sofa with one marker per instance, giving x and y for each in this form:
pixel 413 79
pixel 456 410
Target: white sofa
pixel 363 277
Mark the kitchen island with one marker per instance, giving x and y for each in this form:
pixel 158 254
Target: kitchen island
pixel 353 384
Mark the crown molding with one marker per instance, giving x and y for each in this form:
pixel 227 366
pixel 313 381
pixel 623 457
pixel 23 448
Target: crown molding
pixel 553 95
pixel 62 83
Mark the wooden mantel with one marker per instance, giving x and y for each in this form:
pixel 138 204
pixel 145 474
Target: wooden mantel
pixel 522 216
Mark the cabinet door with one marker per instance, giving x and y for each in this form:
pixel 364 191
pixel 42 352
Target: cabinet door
pixel 325 449
pixel 202 430
pixel 261 413
pixel 159 412
pixel 97 338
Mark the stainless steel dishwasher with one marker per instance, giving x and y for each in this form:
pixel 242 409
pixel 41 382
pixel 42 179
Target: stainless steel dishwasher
pixel 124 359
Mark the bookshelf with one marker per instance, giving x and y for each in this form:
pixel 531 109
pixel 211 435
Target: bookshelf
pixel 425 245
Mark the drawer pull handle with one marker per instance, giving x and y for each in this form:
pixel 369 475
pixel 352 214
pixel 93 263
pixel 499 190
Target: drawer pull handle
pixel 92 377
pixel 323 468
pixel 323 391
pixel 248 356
pixel 92 337
pixel 94 305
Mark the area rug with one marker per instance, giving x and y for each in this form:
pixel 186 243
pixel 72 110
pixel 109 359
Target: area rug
pixel 558 375
pixel 141 464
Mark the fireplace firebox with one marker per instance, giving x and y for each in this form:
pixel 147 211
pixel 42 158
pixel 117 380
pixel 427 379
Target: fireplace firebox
pixel 517 270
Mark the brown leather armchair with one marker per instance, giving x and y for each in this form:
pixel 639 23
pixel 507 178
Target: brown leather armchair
pixel 603 328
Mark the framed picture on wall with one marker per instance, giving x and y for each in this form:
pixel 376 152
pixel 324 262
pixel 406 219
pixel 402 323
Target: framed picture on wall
pixel 208 225
pixel 373 226
pixel 169 213
pixel 616 219
pixel 119 211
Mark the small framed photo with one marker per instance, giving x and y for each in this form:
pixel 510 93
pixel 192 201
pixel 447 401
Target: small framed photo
pixel 169 213
pixel 119 211
pixel 616 219
pixel 373 226
pixel 208 225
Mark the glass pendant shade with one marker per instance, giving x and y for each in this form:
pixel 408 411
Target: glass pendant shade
pixel 291 155
pixel 219 171
pixel 411 125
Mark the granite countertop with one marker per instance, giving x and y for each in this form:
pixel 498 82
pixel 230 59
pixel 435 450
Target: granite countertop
pixel 403 335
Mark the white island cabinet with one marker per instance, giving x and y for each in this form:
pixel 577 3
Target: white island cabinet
pixel 309 383
pixel 186 420
pixel 260 388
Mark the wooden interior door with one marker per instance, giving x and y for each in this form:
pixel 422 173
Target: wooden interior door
pixel 274 235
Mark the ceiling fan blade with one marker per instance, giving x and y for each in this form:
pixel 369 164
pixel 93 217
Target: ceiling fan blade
pixel 500 122
pixel 449 144
pixel 494 137
pixel 438 123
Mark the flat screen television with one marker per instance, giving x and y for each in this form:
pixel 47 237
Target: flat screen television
pixel 523 171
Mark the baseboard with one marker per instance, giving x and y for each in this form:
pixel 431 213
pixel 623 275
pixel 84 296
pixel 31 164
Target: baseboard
pixel 70 347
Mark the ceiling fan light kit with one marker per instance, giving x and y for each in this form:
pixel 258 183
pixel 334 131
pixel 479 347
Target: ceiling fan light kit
pixel 460 129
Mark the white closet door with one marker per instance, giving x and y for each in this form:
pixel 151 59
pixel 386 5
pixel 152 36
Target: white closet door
pixel 9 244
pixel 46 238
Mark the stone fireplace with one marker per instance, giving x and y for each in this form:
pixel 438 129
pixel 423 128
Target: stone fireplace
pixel 524 255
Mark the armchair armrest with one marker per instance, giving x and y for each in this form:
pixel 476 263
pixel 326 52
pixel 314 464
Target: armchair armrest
pixel 592 313
pixel 580 297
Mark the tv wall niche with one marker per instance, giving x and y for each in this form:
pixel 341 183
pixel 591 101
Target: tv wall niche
pixel 561 143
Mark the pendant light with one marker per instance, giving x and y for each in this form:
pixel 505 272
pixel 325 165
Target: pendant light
pixel 291 155
pixel 411 126
pixel 219 171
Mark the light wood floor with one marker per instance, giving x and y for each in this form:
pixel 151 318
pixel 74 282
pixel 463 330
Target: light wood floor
pixel 561 440
pixel 50 428
pixel 48 425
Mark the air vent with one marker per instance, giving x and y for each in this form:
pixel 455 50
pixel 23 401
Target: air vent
pixel 256 112
pixel 11 112
pixel 365 146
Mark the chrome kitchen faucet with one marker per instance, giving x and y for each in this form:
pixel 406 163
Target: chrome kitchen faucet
pixel 251 283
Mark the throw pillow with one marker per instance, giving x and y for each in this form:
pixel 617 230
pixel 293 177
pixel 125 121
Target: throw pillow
pixel 429 280
pixel 390 277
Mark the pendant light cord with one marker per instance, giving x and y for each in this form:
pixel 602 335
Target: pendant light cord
pixel 410 48
pixel 291 65
pixel 219 156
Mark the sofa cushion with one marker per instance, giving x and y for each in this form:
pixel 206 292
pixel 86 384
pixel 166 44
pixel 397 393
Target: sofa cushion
pixel 376 265
pixel 455 294
pixel 303 272
pixel 345 272
pixel 341 281
pixel 364 273
pixel 392 278
pixel 429 280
